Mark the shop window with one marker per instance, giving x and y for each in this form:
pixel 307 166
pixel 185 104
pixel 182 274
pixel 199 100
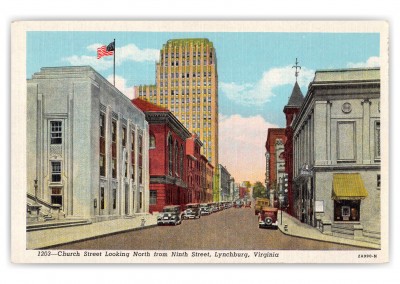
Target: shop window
pixel 347 210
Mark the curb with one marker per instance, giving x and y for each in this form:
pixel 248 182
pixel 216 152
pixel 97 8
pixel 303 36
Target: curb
pixel 327 241
pixel 97 236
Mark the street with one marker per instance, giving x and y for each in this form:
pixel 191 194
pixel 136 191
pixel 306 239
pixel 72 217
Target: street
pixel 228 229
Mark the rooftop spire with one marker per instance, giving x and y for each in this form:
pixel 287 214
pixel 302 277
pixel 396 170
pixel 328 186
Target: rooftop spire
pixel 296 73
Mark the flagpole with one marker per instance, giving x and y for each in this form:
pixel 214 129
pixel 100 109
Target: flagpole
pixel 114 61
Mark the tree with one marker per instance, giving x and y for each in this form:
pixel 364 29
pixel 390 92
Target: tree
pixel 259 190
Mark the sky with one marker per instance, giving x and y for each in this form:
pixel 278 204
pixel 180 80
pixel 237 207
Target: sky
pixel 254 71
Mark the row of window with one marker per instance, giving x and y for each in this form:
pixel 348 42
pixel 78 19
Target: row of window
pixel 176 92
pixel 185 83
pixel 176 75
pixel 114 199
pixel 165 54
pixel 187 62
pixel 114 165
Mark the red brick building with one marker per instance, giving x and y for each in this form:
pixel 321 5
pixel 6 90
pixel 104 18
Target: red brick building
pixel 275 162
pixel 291 110
pixel 194 168
pixel 209 181
pixel 170 177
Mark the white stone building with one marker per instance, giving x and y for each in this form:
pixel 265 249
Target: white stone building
pixel 87 146
pixel 224 184
pixel 337 154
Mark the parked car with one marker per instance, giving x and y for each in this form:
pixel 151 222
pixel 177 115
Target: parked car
pixel 214 207
pixel 247 204
pixel 205 209
pixel 268 218
pixel 171 215
pixel 192 211
pixel 238 203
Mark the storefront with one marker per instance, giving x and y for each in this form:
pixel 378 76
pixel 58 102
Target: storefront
pixel 347 192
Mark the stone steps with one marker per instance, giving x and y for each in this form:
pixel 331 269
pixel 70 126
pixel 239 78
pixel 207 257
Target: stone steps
pixel 56 224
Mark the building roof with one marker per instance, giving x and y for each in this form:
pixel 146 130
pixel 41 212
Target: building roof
pixel 186 41
pixel 159 115
pixel 296 98
pixel 148 106
pixel 346 75
pixel 352 83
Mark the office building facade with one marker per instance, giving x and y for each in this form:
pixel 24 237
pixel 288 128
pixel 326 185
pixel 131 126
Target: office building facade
pixel 87 146
pixel 186 83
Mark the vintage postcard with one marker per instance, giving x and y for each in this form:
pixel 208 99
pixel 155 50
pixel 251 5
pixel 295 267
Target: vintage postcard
pixel 200 142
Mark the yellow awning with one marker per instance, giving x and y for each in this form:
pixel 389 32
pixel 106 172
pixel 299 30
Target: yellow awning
pixel 348 186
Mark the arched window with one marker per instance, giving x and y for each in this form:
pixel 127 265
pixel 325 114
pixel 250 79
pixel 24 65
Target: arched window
pixel 170 154
pixel 152 141
pixel 181 162
pixel 176 159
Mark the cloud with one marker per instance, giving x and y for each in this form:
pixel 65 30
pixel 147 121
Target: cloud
pixel 120 84
pixel 97 64
pixel 131 52
pixel 262 91
pixel 242 146
pixel 373 61
pixel 125 53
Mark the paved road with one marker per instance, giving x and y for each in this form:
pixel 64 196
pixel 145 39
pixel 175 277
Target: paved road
pixel 229 229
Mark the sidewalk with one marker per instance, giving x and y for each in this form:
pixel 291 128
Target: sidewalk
pixel 298 229
pixel 57 236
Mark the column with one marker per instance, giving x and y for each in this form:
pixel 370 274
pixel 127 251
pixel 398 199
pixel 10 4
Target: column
pixel 366 153
pixel 328 133
pixel 320 145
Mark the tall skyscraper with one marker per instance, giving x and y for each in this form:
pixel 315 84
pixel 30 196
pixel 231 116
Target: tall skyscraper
pixel 187 85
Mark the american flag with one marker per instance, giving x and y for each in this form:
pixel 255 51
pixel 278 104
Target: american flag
pixel 102 51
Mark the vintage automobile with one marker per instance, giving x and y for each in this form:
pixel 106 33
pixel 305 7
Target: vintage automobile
pixel 171 215
pixel 268 218
pixel 214 207
pixel 205 209
pixel 260 203
pixel 192 211
pixel 238 203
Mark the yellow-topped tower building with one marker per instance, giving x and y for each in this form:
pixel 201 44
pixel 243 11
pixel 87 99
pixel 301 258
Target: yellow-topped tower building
pixel 187 85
